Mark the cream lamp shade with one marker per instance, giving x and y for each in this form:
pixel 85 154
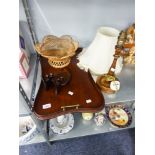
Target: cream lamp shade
pixel 98 56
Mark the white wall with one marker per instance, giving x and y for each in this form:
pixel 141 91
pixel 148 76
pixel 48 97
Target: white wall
pixel 79 18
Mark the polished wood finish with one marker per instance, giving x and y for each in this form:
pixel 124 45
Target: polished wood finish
pixel 113 66
pixel 81 84
pixel 104 82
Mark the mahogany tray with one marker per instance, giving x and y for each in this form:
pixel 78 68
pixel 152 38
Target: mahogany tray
pixel 81 84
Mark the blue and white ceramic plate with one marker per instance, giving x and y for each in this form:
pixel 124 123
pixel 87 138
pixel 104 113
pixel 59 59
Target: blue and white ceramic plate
pixel 63 128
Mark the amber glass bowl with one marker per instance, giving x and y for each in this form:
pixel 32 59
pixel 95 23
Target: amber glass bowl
pixel 58 50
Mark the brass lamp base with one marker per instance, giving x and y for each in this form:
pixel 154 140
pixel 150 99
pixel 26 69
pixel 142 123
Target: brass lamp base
pixel 104 82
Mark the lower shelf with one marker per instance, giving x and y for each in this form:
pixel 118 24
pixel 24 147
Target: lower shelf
pixel 82 128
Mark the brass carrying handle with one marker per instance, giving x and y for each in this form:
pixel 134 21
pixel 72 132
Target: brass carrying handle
pixel 70 106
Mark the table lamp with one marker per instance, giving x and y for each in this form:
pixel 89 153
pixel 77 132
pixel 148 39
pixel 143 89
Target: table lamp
pixel 98 56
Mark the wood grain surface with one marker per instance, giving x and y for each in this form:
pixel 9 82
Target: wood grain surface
pixel 81 84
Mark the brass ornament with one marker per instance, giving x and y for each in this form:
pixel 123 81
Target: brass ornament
pixel 109 77
pixel 104 83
